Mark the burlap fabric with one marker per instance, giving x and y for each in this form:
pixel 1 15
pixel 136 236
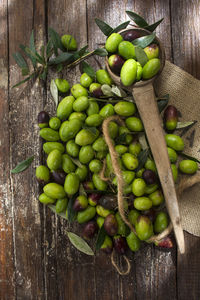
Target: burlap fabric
pixel 184 91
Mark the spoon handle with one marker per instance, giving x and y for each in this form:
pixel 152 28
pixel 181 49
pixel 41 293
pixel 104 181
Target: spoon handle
pixel 145 100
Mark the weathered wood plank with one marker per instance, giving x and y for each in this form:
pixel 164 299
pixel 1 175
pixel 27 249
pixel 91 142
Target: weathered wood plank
pixel 7 269
pixel 23 143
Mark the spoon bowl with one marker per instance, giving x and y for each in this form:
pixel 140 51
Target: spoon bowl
pixel 144 97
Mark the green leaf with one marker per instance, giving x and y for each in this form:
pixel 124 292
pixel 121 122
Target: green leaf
pixel 63 57
pixel 79 243
pixel 23 165
pixel 137 19
pixel 93 130
pixel 43 75
pixel 21 63
pixel 144 41
pixel 56 41
pixel 49 49
pixel 88 69
pixel 62 214
pixel 101 52
pixel 59 68
pixel 82 191
pixel 76 162
pixel 162 102
pixel 31 54
pixel 70 210
pixel 142 158
pixel 23 81
pixel 104 27
pixel 119 92
pixel 82 51
pixel 153 26
pixel 32 47
pixel 121 139
pixel 54 91
pixel 189 157
pixel 120 27
pixel 107 90
pixel 181 125
pixel 100 238
pixel 143 141
pixel 141 56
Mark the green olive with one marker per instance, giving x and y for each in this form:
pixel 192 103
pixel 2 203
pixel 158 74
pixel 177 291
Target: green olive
pixel 103 77
pixel 157 197
pixel 69 129
pixel 107 111
pixel 132 216
pixel 77 115
pixel 69 42
pixel 102 212
pixel 62 85
pixel 139 71
pixel 130 161
pixel 174 141
pixel 124 131
pixel 124 108
pixel 71 185
pixel 140 172
pixel 99 183
pixel 61 205
pixel 78 91
pixel 65 107
pixel 100 221
pixel 135 148
pixel 113 129
pixel 95 166
pixel 161 222
pixel 86 137
pixel 142 203
pixel 138 187
pixel 107 245
pixel 174 172
pixel 121 149
pixel 49 146
pixel 54 123
pixel 128 72
pixel 144 228
pixel 188 166
pixel 86 215
pixel 86 154
pixel 128 177
pixel 54 190
pixel 49 135
pixel 85 80
pixel 133 242
pixel 72 148
pixel 54 160
pixel 152 51
pixel 43 198
pixel 150 165
pixel 94 120
pixel 42 174
pixel 100 144
pixel 81 104
pixel 81 172
pixel 122 227
pixel 93 108
pixel 151 68
pixel 126 49
pixel 101 154
pixel 134 124
pixel 172 155
pixel 150 188
pixel 67 164
pixel 112 42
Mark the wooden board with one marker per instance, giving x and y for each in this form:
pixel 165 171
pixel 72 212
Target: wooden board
pixel 36 259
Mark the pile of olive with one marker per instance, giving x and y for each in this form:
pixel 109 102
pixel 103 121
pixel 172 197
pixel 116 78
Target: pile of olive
pixel 122 58
pixel 76 150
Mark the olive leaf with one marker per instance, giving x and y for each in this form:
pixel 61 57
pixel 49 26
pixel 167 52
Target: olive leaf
pixel 100 238
pixel 49 49
pixel 56 40
pixel 143 141
pixel 62 214
pixel 181 125
pixel 153 26
pixel 32 54
pixel 142 158
pixel 137 19
pixel 118 91
pixel 144 41
pixel 107 90
pixel 162 102
pixel 82 190
pixel 76 162
pixel 104 27
pixel 79 243
pixel 32 47
pixel 63 57
pixel 26 79
pixel 21 63
pixel 120 27
pixel 92 129
pixel 23 165
pixel 71 212
pixel 189 157
pixel 43 75
pixel 100 52
pixel 82 51
pixel 88 69
pixel 121 139
pixel 141 56
pixel 54 91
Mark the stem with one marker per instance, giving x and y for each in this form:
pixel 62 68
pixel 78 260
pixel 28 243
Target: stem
pixel 76 62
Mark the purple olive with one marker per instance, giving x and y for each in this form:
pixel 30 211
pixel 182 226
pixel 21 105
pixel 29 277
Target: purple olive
pixel 150 213
pixel 152 51
pixel 149 176
pixel 131 35
pixel 58 176
pixel 88 185
pixel 170 118
pixel 116 62
pixel 95 89
pixel 165 243
pixel 107 245
pixel 89 230
pixel 111 225
pixel 93 199
pixel 80 203
pixel 43 119
pixel 120 244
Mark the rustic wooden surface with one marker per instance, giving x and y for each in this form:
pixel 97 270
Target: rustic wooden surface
pixel 36 259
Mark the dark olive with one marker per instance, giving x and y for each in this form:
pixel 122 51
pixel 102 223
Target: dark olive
pixel 107 245
pixel 170 118
pixel 89 229
pixel 95 90
pixel 116 62
pixel 88 185
pixel 43 119
pixel 93 199
pixel 165 243
pixel 108 201
pixel 149 177
pixel 111 225
pixel 151 213
pixel 131 35
pixel 59 176
pixel 120 244
pixel 80 203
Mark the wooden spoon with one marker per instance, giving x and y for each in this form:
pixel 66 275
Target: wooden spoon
pixel 143 93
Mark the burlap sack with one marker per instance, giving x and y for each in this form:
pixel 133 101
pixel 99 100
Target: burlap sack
pixel 184 91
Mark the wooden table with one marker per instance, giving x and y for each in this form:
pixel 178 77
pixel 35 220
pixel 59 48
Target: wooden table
pixel 36 259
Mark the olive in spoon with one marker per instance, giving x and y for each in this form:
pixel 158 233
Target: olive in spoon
pixel 143 94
